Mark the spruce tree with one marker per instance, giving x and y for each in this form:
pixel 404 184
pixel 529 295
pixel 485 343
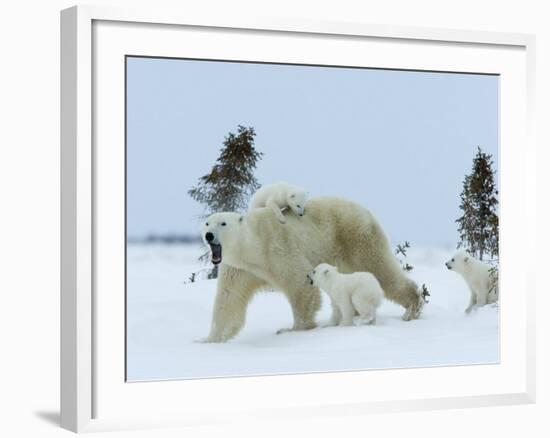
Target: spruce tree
pixel 466 223
pixel 478 225
pixel 401 249
pixel 231 181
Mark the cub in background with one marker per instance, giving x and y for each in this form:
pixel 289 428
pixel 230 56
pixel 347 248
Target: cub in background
pixel 480 277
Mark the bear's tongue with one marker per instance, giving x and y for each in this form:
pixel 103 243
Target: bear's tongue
pixel 216 253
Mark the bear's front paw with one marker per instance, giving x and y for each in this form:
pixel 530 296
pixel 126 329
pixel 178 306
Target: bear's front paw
pixel 282 221
pixel 208 340
pixel 283 330
pixel 303 325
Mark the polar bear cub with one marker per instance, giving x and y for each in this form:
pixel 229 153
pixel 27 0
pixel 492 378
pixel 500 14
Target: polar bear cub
pixel 349 293
pixel 481 280
pixel 278 196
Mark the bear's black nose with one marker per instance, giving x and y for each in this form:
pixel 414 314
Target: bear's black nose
pixel 209 237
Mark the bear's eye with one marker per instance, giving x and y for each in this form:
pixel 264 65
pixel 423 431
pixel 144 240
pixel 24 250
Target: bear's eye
pixel 299 206
pixel 206 223
pixel 452 260
pixel 292 196
pixel 314 272
pixel 223 224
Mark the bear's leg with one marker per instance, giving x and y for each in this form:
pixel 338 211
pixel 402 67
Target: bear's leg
pixel 369 317
pixel 400 289
pixel 276 209
pixel 367 312
pixel 473 300
pixel 347 310
pixel 413 310
pixel 235 289
pixel 481 298
pixel 336 315
pixel 305 303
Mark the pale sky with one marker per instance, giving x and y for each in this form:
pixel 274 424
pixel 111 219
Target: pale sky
pixel 397 142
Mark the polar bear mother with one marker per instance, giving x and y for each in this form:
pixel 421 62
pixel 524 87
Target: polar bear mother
pixel 256 252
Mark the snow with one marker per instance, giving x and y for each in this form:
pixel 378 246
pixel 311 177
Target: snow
pixel 166 315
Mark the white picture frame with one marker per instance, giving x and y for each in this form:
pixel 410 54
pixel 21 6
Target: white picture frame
pixel 93 396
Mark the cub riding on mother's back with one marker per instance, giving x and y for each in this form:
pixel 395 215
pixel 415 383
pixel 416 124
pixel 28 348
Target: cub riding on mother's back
pixel 280 196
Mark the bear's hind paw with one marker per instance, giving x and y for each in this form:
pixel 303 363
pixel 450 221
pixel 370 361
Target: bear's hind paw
pixel 286 330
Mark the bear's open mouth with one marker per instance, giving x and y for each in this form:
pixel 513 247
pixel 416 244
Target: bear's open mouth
pixel 216 249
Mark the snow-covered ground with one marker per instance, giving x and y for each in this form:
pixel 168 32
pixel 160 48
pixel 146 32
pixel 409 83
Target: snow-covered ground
pixel 166 315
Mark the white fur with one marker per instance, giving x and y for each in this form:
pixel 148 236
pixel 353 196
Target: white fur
pixel 483 288
pixel 358 292
pixel 279 196
pixel 256 253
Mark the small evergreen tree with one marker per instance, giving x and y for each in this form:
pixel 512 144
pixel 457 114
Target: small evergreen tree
pixel 231 181
pixel 402 249
pixel 478 225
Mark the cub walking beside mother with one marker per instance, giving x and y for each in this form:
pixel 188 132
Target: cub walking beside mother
pixel 349 294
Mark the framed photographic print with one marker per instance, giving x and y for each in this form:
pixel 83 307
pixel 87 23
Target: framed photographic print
pixel 252 208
